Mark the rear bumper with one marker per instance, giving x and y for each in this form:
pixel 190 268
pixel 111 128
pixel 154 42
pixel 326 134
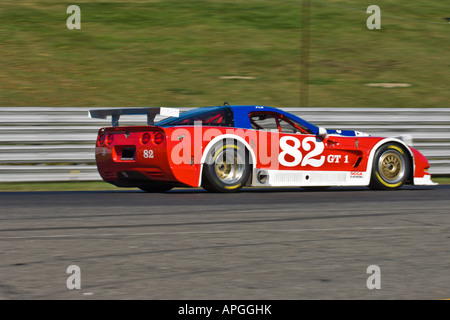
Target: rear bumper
pixel 127 161
pixel 135 173
pixel 132 179
pixel 133 176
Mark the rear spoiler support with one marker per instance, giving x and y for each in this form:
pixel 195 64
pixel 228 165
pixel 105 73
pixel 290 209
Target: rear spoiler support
pixel 116 113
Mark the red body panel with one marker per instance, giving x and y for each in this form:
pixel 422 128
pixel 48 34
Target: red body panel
pixel 421 164
pixel 177 159
pixel 280 150
pixel 112 161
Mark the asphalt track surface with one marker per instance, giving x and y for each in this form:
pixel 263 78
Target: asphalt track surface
pixel 256 244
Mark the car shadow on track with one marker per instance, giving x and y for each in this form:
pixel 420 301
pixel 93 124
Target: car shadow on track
pixel 244 190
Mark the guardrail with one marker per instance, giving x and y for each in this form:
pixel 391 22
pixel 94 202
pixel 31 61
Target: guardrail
pixel 57 144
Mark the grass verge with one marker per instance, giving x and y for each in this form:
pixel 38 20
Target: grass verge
pixel 179 53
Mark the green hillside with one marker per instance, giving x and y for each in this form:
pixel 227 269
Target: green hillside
pixel 205 52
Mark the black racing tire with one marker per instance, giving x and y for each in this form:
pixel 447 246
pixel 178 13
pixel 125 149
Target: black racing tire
pixel 227 167
pixel 156 188
pixel 391 167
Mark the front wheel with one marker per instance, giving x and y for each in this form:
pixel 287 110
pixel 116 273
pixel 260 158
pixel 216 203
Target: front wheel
pixel 227 167
pixel 391 167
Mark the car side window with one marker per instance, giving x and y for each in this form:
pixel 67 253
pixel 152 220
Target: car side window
pixel 290 126
pixel 276 122
pixel 263 121
pixel 287 127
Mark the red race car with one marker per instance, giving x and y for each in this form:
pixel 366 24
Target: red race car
pixel 225 148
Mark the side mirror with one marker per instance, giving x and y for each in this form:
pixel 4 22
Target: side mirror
pixel 323 133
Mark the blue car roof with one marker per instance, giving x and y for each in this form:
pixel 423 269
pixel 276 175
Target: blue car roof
pixel 241 118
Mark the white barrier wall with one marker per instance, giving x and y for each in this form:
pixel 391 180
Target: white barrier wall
pixel 57 144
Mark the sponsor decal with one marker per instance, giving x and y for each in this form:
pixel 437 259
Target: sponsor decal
pixel 356 174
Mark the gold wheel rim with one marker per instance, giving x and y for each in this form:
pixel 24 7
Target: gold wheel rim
pixel 391 166
pixel 229 167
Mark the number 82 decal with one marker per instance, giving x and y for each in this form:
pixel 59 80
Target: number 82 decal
pixel 148 153
pixel 309 144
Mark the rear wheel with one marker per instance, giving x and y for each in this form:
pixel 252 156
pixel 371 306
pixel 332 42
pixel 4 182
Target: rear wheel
pixel 391 167
pixel 226 167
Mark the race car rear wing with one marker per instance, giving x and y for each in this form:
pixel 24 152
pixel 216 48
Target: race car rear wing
pixel 116 113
